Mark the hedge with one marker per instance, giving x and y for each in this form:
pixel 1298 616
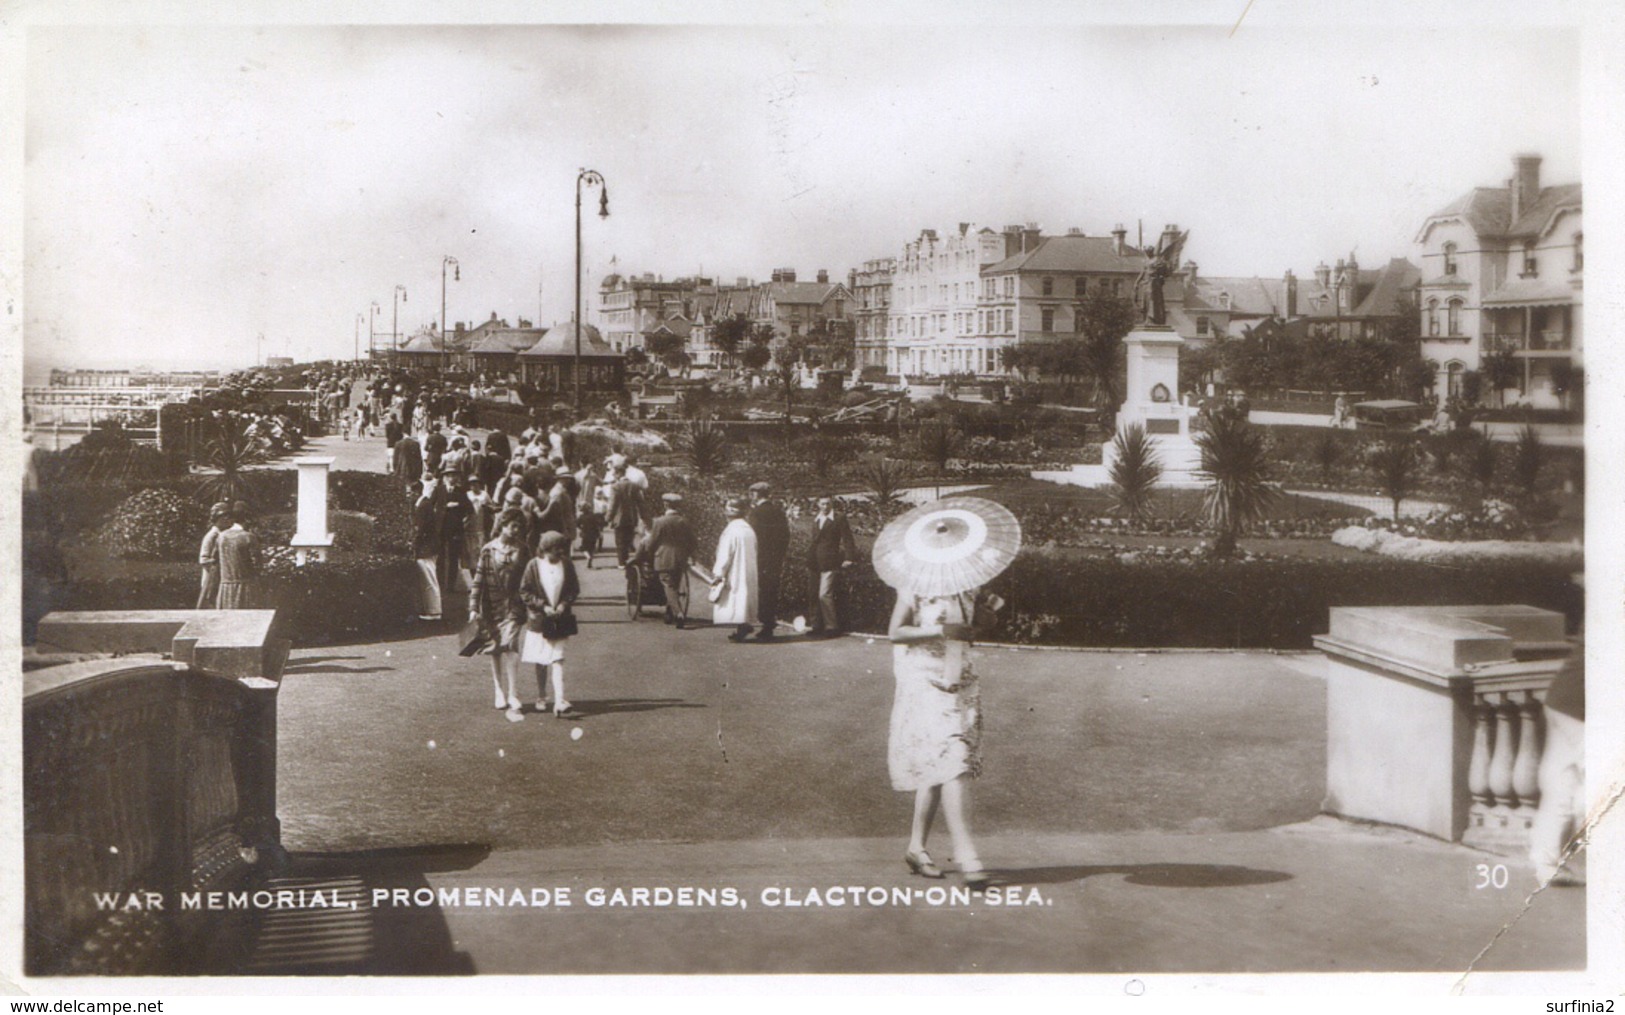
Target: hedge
pixel 351 598
pixel 1267 603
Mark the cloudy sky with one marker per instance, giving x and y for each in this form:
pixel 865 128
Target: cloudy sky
pixel 190 186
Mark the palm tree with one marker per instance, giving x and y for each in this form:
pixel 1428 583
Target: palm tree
pixel 1237 470
pixel 1397 464
pixel 230 450
pixel 1135 471
pixel 885 478
pixel 705 446
pixel 1528 459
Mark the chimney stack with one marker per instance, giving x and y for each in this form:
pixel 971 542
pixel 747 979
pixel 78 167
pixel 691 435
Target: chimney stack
pixel 1190 272
pixel 1030 237
pixel 1323 275
pixel 1291 284
pixel 1525 184
pixel 1119 238
pixel 823 275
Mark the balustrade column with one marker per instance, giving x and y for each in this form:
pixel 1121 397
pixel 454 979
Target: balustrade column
pixel 1502 754
pixel 1526 765
pixel 1478 766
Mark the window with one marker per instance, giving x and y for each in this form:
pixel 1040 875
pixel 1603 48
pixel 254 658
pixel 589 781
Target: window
pixel 1048 289
pixel 1453 376
pixel 1453 318
pixel 1449 258
pixel 1433 317
pixel 1009 320
pixel 1009 285
pixel 1530 268
pixel 1579 254
pixel 1201 326
pixel 1047 319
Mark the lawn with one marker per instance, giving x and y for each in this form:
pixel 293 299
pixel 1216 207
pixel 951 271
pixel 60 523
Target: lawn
pixel 1183 504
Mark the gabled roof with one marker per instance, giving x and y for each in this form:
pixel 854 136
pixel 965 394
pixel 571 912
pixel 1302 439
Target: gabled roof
pixel 1258 297
pixel 812 293
pixel 1072 253
pixel 1488 210
pixel 1393 281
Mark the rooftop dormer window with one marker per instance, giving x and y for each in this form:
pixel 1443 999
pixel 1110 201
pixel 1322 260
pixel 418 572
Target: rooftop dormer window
pixel 1449 258
pixel 1530 268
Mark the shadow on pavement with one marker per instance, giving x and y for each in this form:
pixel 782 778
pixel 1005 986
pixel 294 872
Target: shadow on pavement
pixel 304 660
pixel 1152 875
pixel 355 938
pixel 297 670
pixel 611 706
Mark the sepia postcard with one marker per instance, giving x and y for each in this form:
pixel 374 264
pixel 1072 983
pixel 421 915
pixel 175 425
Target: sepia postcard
pixel 644 498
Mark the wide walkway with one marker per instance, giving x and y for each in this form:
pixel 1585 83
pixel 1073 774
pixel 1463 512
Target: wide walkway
pixel 1145 812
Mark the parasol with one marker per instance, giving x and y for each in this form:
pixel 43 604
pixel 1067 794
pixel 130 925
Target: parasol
pixel 947 546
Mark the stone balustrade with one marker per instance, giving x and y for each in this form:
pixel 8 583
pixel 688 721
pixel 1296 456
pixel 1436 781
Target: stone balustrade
pixel 147 775
pixel 1434 718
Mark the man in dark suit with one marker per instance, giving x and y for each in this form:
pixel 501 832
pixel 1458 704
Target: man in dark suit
pixel 408 461
pixel 772 530
pixel 832 551
pixel 434 450
pixel 624 513
pixel 668 547
pixel 392 432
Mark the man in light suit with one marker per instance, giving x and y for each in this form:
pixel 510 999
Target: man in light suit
pixel 832 551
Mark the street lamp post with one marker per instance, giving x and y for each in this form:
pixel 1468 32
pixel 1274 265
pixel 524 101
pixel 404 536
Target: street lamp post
pixel 591 178
pixel 395 325
pixel 372 331
pixel 457 276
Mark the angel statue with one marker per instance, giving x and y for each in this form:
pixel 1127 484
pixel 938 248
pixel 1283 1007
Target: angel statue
pixel 1161 262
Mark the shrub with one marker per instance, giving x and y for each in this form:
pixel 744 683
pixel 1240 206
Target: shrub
pixel 1396 464
pixel 155 525
pixel 1236 466
pixel 885 478
pixel 352 530
pixel 351 598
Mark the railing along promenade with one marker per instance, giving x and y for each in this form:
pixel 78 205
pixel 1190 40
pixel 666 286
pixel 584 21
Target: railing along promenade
pixel 148 776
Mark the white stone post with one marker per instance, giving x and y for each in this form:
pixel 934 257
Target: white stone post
pixel 311 538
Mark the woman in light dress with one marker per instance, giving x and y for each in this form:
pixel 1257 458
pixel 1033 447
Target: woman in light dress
pixel 494 601
pixel 549 588
pixel 734 588
pixel 935 746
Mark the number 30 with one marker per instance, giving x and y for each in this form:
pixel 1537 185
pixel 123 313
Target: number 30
pixel 1492 877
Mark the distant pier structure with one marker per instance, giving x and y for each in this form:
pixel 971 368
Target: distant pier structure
pixel 58 414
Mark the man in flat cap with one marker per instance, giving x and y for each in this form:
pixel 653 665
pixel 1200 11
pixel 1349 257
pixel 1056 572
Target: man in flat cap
pixel 668 548
pixel 772 530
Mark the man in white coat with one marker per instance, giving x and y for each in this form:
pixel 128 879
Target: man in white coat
pixel 734 590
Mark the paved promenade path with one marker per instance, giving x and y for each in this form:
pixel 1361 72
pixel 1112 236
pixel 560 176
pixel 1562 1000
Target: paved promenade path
pixel 1154 813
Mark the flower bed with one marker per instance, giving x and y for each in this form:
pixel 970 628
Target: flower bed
pixel 1387 543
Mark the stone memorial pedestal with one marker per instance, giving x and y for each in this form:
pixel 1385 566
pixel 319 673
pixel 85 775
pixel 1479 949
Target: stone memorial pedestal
pixel 311 539
pixel 1433 717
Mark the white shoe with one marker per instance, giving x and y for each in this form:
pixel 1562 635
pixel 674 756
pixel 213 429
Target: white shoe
pixel 514 715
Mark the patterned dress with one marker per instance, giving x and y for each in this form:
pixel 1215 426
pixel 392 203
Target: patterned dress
pixel 936 717
pixel 496 592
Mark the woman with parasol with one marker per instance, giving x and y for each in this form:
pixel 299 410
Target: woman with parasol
pixel 938 557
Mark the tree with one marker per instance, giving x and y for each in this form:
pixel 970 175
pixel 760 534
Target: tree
pixel 836 344
pixel 1528 459
pixel 729 334
pixel 666 349
pixel 1500 371
pixel 1135 471
pixel 787 355
pixel 1103 321
pixel 1237 471
pixel 230 450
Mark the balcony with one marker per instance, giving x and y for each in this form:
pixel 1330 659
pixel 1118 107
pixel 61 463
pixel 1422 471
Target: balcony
pixel 1555 340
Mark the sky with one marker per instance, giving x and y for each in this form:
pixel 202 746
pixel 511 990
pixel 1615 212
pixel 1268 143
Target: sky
pixel 189 186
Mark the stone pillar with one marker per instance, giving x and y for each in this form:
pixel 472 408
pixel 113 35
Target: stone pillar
pixel 311 538
pixel 1427 719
